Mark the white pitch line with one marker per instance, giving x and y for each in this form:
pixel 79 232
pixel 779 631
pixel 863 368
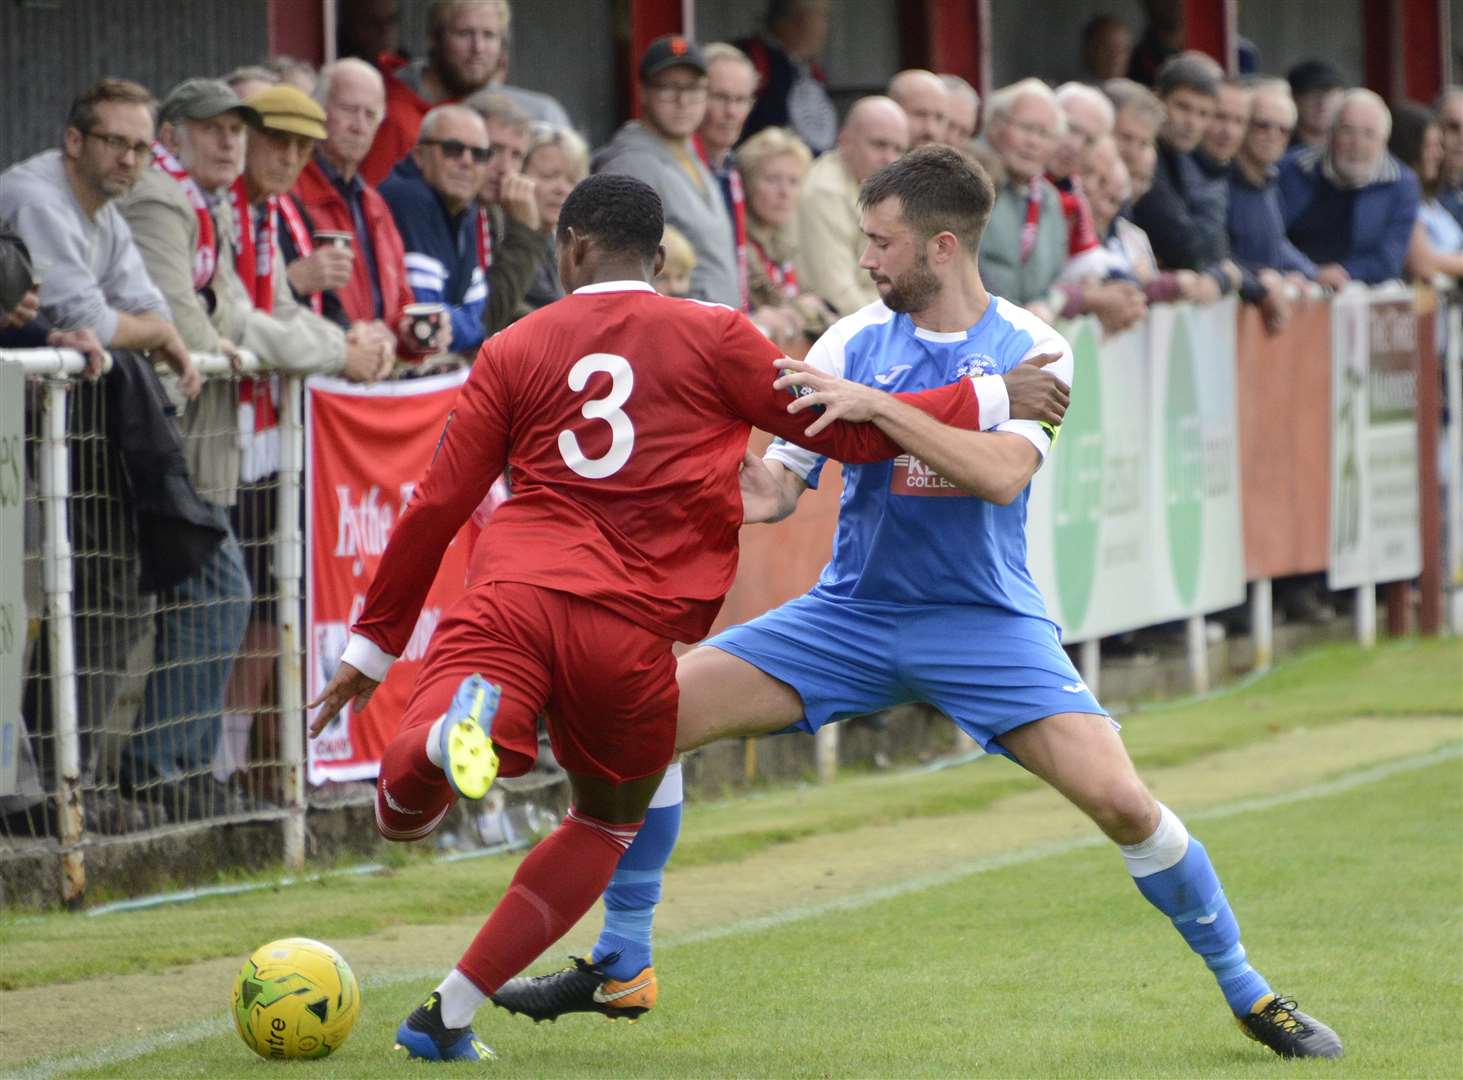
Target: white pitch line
pixel 203 1029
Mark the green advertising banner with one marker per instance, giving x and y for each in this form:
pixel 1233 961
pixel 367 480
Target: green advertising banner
pixel 1135 517
pixel 1375 533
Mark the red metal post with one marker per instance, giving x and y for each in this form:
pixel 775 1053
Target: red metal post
pixel 297 28
pixel 646 21
pixel 1209 26
pixel 948 36
pixel 1421 26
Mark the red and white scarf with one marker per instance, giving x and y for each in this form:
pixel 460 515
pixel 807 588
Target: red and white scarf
pixel 205 255
pixel 783 275
pixel 1033 218
pixel 485 239
pixel 254 262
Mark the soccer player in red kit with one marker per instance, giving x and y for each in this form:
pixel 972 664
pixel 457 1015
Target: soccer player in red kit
pixel 623 415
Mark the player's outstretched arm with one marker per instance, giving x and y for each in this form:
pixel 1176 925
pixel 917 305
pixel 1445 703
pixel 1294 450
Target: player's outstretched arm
pixel 995 466
pixel 469 457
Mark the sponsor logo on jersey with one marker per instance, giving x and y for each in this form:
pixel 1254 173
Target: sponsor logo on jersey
pixel 911 476
pixel 976 364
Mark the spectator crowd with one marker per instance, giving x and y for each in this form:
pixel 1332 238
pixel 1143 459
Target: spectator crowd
pixel 320 220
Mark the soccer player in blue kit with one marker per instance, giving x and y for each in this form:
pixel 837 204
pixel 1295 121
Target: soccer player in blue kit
pixel 927 598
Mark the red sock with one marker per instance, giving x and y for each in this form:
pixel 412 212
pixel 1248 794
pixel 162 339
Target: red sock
pixel 412 794
pixel 555 885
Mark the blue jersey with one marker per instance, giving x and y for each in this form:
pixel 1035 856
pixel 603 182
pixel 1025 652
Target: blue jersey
pixel 906 535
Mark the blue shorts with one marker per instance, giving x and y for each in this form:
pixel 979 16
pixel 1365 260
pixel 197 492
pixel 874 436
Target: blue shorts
pixel 988 669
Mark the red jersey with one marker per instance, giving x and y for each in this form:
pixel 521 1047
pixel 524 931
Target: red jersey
pixel 624 416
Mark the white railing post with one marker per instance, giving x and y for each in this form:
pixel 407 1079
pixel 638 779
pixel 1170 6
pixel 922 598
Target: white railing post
pixel 825 753
pixel 1197 643
pixel 1366 615
pixel 55 485
pixel 1262 625
pixel 1089 664
pixel 289 566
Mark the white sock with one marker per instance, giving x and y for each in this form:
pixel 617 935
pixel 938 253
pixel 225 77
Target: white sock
pixel 460 997
pixel 434 747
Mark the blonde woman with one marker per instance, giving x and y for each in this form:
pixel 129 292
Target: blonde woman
pixel 556 159
pixel 773 163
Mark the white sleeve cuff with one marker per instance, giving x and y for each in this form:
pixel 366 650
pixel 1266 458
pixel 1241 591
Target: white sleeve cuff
pixel 995 403
pixel 366 656
pixel 1033 432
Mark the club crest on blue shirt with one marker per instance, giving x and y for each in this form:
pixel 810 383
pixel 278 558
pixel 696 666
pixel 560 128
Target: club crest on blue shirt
pixel 976 364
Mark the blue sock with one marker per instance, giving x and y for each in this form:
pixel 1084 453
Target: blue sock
pixel 1173 871
pixel 634 890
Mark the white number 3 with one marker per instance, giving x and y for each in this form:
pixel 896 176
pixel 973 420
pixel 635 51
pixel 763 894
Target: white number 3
pixel 608 409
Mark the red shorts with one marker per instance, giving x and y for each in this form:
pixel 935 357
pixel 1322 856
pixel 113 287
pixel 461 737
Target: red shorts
pixel 608 685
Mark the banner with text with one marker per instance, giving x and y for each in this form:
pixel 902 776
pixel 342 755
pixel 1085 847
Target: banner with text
pixel 1374 494
pixel 365 450
pixel 1135 518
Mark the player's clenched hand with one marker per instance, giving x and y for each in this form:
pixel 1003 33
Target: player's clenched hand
pixel 761 496
pixel 838 398
pixel 347 684
pixel 1036 394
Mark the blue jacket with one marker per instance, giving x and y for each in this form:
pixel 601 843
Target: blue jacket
pixel 441 252
pixel 1257 228
pixel 1183 212
pixel 1364 229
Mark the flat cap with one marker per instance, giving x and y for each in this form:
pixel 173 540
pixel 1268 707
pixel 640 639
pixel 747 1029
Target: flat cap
pixel 283 108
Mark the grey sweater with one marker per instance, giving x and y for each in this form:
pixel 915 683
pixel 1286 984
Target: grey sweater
pixel 700 213
pixel 88 267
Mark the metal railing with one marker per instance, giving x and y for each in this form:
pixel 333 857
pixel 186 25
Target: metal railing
pixel 128 692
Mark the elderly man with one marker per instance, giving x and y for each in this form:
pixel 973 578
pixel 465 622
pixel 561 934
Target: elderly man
pixel 464 53
pixel 1089 116
pixel 257 309
pixel 791 89
pixel 201 622
pixel 367 279
pixel 511 239
pixel 1350 205
pixel 925 102
pixel 1024 251
pixel 658 149
pixel 830 242
pixel 433 196
pixel 1137 116
pixel 1184 213
pixel 962 121
pixel 1257 239
pixel 731 82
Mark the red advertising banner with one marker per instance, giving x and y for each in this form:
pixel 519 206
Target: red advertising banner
pixel 365 450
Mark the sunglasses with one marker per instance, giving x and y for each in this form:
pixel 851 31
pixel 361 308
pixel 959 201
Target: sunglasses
pixel 453 148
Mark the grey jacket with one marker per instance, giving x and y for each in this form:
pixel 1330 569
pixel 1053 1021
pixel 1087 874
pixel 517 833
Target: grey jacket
pixel 698 211
pixel 88 267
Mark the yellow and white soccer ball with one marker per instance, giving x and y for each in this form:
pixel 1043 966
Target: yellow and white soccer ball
pixel 295 998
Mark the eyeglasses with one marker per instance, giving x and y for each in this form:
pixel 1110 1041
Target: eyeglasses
pixel 453 148
pixel 729 101
pixel 677 91
pixel 120 144
pixel 1266 126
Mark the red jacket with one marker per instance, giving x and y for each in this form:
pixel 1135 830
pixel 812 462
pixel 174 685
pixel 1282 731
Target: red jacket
pixel 327 209
pixel 398 131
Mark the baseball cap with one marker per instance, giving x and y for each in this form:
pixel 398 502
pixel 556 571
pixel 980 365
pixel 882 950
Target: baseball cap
pixel 203 99
pixel 1311 75
pixel 283 108
pixel 670 51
